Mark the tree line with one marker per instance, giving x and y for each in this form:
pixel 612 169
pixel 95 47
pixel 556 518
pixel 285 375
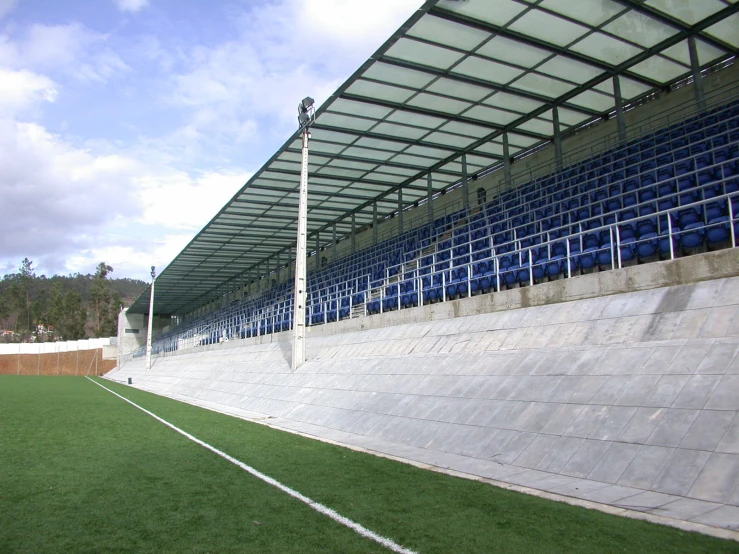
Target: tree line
pixel 73 307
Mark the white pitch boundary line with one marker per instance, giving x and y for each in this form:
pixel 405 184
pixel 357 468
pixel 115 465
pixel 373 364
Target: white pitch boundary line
pixel 320 508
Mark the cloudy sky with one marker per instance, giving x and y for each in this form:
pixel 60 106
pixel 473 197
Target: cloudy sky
pixel 126 124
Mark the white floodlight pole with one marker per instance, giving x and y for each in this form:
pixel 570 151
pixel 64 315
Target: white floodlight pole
pixel 121 332
pixel 151 320
pixel 305 115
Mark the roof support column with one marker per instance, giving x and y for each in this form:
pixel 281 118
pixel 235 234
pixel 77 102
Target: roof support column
pixel 279 266
pixel 465 184
pixel 400 211
pixel 333 248
pixel 354 233
pixel 620 119
pixel 695 66
pixel 506 161
pixel 374 223
pixel 429 197
pixel 318 251
pixel 557 138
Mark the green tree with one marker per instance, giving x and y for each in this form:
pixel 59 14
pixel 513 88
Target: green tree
pixel 104 303
pixel 40 311
pixel 75 316
pixel 55 311
pixel 66 314
pixel 4 308
pixel 20 294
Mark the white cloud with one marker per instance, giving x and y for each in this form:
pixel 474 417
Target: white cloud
pixel 68 208
pixel 178 201
pixel 71 49
pixel 69 205
pixel 354 23
pixel 20 90
pixel 131 5
pixel 127 260
pixel 284 51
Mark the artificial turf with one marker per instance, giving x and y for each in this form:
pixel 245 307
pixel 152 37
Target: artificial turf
pixel 83 471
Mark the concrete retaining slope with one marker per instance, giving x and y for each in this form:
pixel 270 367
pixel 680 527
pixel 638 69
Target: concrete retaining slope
pixel 629 400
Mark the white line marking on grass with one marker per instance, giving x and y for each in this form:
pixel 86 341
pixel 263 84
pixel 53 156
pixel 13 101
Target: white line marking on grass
pixel 325 510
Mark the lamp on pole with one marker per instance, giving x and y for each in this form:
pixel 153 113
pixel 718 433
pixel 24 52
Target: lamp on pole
pixel 151 319
pixel 306 116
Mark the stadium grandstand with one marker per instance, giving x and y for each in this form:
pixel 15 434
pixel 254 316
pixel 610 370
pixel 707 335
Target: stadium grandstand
pixel 522 228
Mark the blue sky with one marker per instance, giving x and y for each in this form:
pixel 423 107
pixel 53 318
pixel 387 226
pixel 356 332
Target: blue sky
pixel 126 124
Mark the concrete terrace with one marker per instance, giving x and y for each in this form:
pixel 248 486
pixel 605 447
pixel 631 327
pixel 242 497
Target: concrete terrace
pixel 623 401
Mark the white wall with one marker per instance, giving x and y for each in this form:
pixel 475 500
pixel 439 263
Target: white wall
pixel 53 347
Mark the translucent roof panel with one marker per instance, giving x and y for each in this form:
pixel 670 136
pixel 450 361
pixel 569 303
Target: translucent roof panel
pixel 487 70
pixel 413 160
pixel 680 52
pixel 549 28
pixel 379 144
pixel 491 115
pixel 513 51
pixel 419 120
pixel 366 153
pixel 453 81
pixel 333 136
pixel 596 13
pixel 512 102
pixel 640 29
pixel 629 87
pixel 451 140
pixel 569 69
pixel 538 126
pixel 688 11
pixel 606 48
pixel 544 86
pixel 400 131
pixel 571 117
pixel 346 122
pixel 464 91
pixel 448 33
pixel 726 30
pixel 520 140
pixel 423 54
pixel 380 91
pixel 397 75
pixel 659 68
pixel 353 107
pixel 438 103
pixel 428 152
pixel 465 129
pixel 497 12
pixel 594 100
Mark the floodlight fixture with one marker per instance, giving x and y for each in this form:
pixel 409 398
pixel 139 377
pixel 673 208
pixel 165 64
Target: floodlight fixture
pixel 306 112
pixel 153 272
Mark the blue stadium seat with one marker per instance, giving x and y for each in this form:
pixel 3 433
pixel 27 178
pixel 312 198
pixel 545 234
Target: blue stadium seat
pixel 692 235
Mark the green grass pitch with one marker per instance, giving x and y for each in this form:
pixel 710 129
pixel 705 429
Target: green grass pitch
pixel 83 471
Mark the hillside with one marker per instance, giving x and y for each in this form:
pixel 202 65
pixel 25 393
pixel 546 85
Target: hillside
pixel 40 308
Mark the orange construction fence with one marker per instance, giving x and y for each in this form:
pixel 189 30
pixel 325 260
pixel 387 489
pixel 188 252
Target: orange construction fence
pixel 79 362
